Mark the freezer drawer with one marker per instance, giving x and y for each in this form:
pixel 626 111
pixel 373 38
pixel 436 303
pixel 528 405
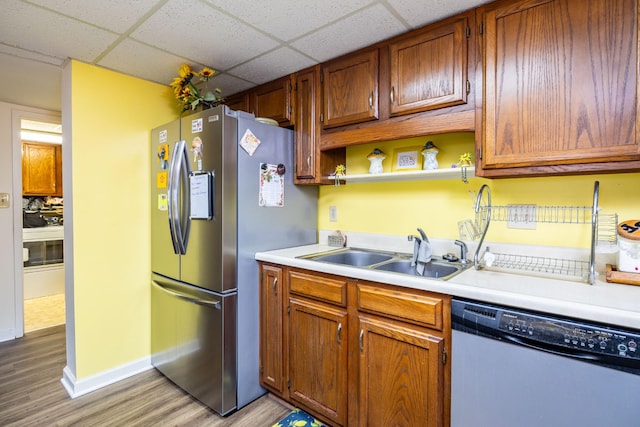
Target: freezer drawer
pixel 193 341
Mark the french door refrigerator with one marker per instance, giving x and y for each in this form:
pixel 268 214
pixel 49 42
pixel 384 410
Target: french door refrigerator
pixel 221 190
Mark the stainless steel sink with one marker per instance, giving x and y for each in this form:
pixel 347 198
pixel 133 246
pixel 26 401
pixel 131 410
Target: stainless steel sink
pixel 431 269
pixel 391 262
pixel 353 257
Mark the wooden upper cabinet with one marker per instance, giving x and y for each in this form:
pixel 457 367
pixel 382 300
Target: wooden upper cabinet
pixel 239 102
pixel 306 128
pixel 429 68
pixel 350 88
pixel 41 169
pixel 273 100
pixel 560 87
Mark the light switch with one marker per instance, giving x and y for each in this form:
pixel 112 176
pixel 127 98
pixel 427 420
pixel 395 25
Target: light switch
pixel 4 200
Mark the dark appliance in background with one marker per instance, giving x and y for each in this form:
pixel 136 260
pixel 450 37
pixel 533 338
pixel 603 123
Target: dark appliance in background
pixel 221 190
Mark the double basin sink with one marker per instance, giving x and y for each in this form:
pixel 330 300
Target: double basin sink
pixel 438 268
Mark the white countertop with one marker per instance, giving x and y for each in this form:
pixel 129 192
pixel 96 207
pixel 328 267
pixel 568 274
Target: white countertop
pixel 604 302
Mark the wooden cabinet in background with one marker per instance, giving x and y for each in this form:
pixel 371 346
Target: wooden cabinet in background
pixel 350 88
pixel 274 101
pixel 560 87
pixel 429 68
pixel 272 359
pixel 41 169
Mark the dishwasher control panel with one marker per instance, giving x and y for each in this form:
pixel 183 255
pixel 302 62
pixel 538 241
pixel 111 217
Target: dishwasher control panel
pixel 602 344
pixel 569 334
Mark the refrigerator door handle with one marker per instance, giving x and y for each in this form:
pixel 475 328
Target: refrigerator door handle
pixel 183 222
pixel 214 304
pixel 179 201
pixel 172 195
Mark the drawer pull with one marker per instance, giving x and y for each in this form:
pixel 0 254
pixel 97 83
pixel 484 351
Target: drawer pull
pixel 392 94
pixel 275 283
pixel 339 334
pixel 371 101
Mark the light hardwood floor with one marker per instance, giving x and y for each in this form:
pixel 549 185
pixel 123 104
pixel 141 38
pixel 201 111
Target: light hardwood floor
pixel 31 394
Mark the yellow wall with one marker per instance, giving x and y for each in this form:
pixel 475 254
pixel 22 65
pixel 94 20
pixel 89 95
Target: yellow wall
pixel 111 116
pixel 398 208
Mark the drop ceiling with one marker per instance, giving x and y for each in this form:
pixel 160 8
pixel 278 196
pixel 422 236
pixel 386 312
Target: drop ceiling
pixel 247 42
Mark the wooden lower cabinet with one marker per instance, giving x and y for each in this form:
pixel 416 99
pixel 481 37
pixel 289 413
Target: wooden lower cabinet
pixel 401 375
pixel 272 361
pixel 359 353
pixel 318 358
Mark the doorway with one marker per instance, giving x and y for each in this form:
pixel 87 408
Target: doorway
pixel 43 283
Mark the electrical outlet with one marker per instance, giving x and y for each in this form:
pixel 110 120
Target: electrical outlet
pixel 521 216
pixel 333 213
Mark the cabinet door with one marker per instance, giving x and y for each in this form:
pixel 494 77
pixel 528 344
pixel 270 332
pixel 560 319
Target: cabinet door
pixel 41 169
pixel 318 358
pixel 239 102
pixel 401 375
pixel 429 70
pixel 560 81
pixel 272 362
pixel 351 89
pixel 306 129
pixel 273 100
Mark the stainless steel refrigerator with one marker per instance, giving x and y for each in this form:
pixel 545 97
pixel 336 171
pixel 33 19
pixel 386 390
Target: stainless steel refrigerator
pixel 221 190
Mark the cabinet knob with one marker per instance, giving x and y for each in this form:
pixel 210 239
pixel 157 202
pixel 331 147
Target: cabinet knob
pixel 371 101
pixel 361 340
pixel 275 283
pixel 392 94
pixel 339 333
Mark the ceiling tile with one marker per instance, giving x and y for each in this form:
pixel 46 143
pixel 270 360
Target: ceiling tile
pixel 31 83
pixel 47 32
pixel 274 64
pixel 116 15
pixel 418 14
pixel 194 30
pixel 35 56
pixel 353 32
pixel 286 19
pixel 146 62
pixel 230 85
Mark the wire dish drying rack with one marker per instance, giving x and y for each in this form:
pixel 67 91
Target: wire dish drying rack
pixel 603 233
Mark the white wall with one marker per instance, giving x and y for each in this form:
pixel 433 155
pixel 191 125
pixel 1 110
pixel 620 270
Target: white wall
pixel 11 324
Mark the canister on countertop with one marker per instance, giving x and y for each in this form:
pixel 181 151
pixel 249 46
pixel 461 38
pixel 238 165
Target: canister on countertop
pixel 629 246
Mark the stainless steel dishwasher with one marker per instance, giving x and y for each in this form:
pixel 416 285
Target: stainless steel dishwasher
pixel 512 367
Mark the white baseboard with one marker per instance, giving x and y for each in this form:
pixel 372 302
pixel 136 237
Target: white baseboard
pixel 83 386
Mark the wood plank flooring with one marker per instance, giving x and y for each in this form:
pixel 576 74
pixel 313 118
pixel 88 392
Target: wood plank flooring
pixel 31 394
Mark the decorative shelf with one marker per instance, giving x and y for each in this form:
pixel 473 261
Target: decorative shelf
pixel 448 173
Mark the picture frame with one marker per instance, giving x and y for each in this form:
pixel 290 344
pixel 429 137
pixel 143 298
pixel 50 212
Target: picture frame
pixel 407 159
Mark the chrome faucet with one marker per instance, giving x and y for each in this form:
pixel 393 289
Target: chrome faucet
pixel 421 254
pixel 423 235
pixel 463 251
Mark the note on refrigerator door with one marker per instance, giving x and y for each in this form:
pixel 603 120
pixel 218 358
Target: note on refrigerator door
pixel 200 190
pixel 249 142
pixel 271 186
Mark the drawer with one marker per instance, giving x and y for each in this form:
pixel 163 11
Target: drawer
pixel 326 288
pixel 406 305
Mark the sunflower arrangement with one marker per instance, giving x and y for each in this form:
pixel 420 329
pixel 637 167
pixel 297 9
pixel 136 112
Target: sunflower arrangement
pixel 192 88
